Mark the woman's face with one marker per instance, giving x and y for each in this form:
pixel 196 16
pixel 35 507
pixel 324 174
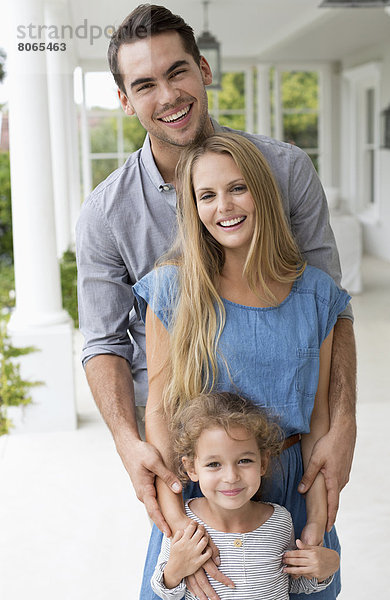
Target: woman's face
pixel 224 203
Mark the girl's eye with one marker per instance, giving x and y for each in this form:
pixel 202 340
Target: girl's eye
pixel 245 461
pixel 213 465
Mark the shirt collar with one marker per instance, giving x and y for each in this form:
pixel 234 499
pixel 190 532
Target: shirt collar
pixel 148 159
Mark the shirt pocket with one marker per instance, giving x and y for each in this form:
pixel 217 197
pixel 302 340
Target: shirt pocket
pixel 307 372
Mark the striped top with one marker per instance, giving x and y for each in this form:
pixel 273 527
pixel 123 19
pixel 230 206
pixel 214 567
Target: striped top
pixel 253 561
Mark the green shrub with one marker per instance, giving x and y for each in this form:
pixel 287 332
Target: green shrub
pixel 14 391
pixel 7 285
pixel 69 285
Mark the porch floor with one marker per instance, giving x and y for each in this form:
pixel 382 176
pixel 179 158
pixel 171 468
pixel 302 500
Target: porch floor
pixel 72 528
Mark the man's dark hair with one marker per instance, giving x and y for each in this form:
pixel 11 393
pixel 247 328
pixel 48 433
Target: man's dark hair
pixel 143 22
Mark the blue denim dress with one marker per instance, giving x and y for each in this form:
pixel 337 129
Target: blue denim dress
pixel 273 358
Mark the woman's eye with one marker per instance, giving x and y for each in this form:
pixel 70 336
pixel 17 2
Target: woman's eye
pixel 239 189
pixel 206 197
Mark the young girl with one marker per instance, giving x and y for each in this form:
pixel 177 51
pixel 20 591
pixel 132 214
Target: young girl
pixel 238 310
pixel 224 442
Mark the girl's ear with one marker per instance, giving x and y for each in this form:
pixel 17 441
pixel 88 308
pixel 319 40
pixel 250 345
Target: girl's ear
pixel 190 468
pixel 264 462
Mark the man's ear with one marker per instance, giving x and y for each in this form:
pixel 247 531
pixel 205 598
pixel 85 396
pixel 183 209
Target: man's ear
pixel 127 107
pixel 205 69
pixel 190 468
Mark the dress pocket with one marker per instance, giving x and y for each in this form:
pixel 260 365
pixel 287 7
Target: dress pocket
pixel 307 372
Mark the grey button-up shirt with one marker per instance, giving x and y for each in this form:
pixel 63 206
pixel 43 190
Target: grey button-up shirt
pixel 129 221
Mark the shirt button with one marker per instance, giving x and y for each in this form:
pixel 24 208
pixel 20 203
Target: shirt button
pixel 238 543
pixel 166 188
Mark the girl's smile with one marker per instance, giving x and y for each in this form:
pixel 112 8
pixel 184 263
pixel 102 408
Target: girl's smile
pixel 228 467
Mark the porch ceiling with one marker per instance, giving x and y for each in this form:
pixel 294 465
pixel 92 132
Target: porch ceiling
pixel 277 30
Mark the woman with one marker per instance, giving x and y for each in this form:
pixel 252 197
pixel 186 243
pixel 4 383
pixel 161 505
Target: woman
pixel 238 310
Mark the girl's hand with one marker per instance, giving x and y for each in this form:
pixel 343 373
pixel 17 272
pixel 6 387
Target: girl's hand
pixel 313 534
pixel 189 551
pixel 311 561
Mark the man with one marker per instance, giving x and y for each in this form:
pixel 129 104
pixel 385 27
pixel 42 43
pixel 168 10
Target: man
pixel 129 221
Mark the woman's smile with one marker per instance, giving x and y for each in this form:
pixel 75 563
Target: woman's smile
pixel 224 203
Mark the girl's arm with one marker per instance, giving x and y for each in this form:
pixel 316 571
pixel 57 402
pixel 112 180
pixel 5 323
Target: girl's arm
pixel 316 497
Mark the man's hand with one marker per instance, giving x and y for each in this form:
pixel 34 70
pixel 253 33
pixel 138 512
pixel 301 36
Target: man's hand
pixel 332 455
pixel 199 585
pixel 311 561
pixel 143 462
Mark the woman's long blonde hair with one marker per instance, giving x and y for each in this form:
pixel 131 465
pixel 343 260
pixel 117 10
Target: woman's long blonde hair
pixel 200 314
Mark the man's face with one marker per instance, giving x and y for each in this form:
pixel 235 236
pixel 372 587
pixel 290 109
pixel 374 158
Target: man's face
pixel 165 88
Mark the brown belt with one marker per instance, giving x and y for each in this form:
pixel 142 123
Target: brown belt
pixel 290 441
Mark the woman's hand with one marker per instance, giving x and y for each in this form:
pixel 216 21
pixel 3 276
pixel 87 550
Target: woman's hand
pixel 189 551
pixel 311 561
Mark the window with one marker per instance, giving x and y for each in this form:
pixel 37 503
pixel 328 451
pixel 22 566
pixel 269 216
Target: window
pixel 296 109
pixel 363 137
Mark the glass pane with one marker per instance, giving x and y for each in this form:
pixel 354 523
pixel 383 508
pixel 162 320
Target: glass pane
pixel 370 115
pixel 314 160
pixel 101 168
pixel 133 134
pixel 371 167
pixel 301 130
pixel 300 90
pixel 233 121
pixel 232 94
pixel 103 133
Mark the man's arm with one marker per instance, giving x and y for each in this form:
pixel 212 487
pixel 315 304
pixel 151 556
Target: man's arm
pixel 309 216
pixel 105 299
pixel 111 383
pixel 333 453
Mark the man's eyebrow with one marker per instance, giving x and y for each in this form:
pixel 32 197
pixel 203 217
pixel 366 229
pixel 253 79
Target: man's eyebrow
pixel 140 81
pixel 176 65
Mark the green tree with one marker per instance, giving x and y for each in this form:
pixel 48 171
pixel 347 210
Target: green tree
pixel 230 97
pixel 6 249
pixel 3 56
pixel 300 108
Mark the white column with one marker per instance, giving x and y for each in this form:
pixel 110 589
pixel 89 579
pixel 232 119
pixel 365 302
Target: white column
pixel 58 69
pixel 249 104
pixel 263 100
pixel 73 159
pixel 38 319
pixel 278 105
pixel 85 145
pixel 325 131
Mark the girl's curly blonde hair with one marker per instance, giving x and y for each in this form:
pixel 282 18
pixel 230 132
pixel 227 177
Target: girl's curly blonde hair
pixel 220 409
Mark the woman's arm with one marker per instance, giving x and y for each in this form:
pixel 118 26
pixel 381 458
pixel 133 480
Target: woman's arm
pixel 156 428
pixel 316 497
pixel 157 433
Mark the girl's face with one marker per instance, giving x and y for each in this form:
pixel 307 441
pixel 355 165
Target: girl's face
pixel 225 205
pixel 228 467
